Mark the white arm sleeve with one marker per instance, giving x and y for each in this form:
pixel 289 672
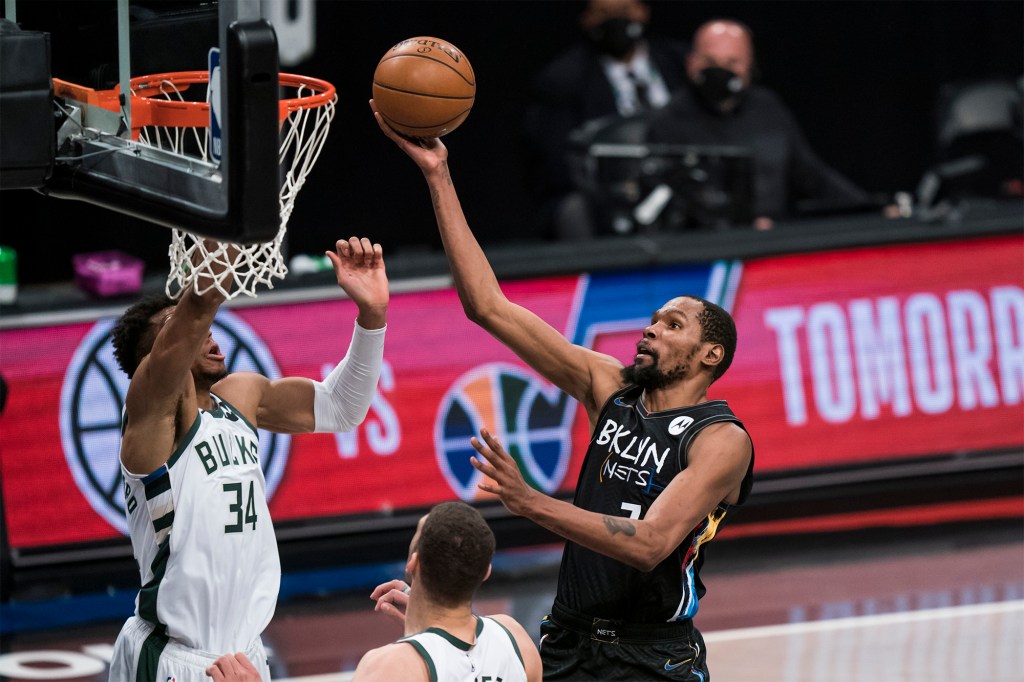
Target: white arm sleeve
pixel 341 401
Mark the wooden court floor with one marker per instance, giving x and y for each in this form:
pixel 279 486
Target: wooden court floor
pixel 889 605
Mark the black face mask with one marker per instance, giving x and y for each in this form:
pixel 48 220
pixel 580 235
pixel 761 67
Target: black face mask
pixel 616 37
pixel 720 89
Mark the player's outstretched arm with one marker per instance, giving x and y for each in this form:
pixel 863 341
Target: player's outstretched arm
pixel 718 461
pixel 585 375
pixel 162 386
pixel 342 400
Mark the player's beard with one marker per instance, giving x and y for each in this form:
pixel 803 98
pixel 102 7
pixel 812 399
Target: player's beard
pixel 208 379
pixel 651 377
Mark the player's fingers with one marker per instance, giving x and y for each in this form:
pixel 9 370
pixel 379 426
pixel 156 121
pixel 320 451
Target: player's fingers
pixel 493 450
pixel 245 663
pixel 342 247
pixel 367 251
pixel 481 448
pixel 229 664
pixel 355 246
pixel 396 597
pixel 492 442
pixel 390 585
pixel 488 488
pixel 215 672
pixel 484 468
pixel 388 130
pixel 378 254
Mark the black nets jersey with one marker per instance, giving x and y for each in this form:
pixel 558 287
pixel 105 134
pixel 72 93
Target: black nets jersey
pixel 632 457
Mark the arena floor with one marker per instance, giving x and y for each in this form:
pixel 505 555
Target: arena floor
pixel 887 605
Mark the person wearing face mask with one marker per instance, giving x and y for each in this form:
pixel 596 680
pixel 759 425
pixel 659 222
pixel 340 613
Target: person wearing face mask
pixel 722 106
pixel 614 69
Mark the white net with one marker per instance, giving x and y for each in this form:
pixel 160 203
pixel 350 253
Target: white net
pixel 233 269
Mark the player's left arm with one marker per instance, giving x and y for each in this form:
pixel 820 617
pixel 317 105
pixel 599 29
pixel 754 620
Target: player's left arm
pixel 397 661
pixel 341 401
pixel 717 463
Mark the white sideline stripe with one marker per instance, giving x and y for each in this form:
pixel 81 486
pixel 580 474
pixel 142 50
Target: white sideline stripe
pixel 800 628
pixel 966 611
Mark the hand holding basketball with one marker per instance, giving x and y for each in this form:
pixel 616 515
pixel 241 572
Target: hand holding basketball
pixel 424 87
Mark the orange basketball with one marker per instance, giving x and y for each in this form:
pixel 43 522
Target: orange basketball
pixel 424 87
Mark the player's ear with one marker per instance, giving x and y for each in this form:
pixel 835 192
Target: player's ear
pixel 488 574
pixel 713 354
pixel 413 564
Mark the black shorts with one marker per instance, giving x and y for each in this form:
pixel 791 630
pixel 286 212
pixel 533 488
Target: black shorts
pixel 576 647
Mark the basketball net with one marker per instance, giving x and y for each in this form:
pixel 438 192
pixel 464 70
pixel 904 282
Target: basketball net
pixel 232 269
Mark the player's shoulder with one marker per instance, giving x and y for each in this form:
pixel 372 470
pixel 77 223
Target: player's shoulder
pixel 238 386
pixel 398 660
pixel 729 435
pixel 510 623
pixel 605 379
pixel 527 649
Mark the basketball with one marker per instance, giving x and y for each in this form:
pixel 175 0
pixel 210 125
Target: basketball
pixel 424 87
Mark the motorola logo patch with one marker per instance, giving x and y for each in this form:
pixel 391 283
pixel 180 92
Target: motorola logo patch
pixel 679 424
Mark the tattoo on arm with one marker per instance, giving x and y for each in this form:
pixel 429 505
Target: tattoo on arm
pixel 617 525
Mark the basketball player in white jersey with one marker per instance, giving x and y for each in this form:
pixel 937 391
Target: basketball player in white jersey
pixel 195 493
pixel 449 557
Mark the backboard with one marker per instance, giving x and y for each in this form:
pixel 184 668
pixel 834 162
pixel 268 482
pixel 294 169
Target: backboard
pixel 98 47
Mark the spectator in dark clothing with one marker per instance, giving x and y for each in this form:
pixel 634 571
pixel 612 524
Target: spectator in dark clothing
pixel 614 70
pixel 722 107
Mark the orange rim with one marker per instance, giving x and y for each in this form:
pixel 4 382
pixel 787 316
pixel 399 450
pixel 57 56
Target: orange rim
pixel 149 108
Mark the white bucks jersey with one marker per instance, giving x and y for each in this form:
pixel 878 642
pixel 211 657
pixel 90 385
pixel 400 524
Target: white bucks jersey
pixel 203 539
pixel 494 656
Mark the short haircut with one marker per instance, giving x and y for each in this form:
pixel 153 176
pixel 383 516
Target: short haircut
pixel 717 326
pixel 455 550
pixel 133 335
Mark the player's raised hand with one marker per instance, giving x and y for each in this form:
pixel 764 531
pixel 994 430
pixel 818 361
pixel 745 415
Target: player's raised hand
pixel 359 269
pixel 392 599
pixel 507 481
pixel 428 153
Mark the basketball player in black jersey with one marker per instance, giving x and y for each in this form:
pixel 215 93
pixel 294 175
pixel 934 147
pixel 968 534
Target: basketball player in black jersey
pixel 664 466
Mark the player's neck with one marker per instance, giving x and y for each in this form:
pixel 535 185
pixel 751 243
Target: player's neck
pixel 422 614
pixel 204 399
pixel 682 394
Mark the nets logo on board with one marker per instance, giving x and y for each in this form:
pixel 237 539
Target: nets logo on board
pixel 90 412
pixel 527 415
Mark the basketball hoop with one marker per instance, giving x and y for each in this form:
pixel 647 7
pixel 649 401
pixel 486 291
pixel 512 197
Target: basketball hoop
pixel 162 117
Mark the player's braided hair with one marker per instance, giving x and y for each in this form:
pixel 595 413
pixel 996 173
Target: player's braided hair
pixel 133 335
pixel 717 326
pixel 455 550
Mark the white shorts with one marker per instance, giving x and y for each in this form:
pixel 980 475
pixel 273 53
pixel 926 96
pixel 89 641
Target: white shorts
pixel 162 662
